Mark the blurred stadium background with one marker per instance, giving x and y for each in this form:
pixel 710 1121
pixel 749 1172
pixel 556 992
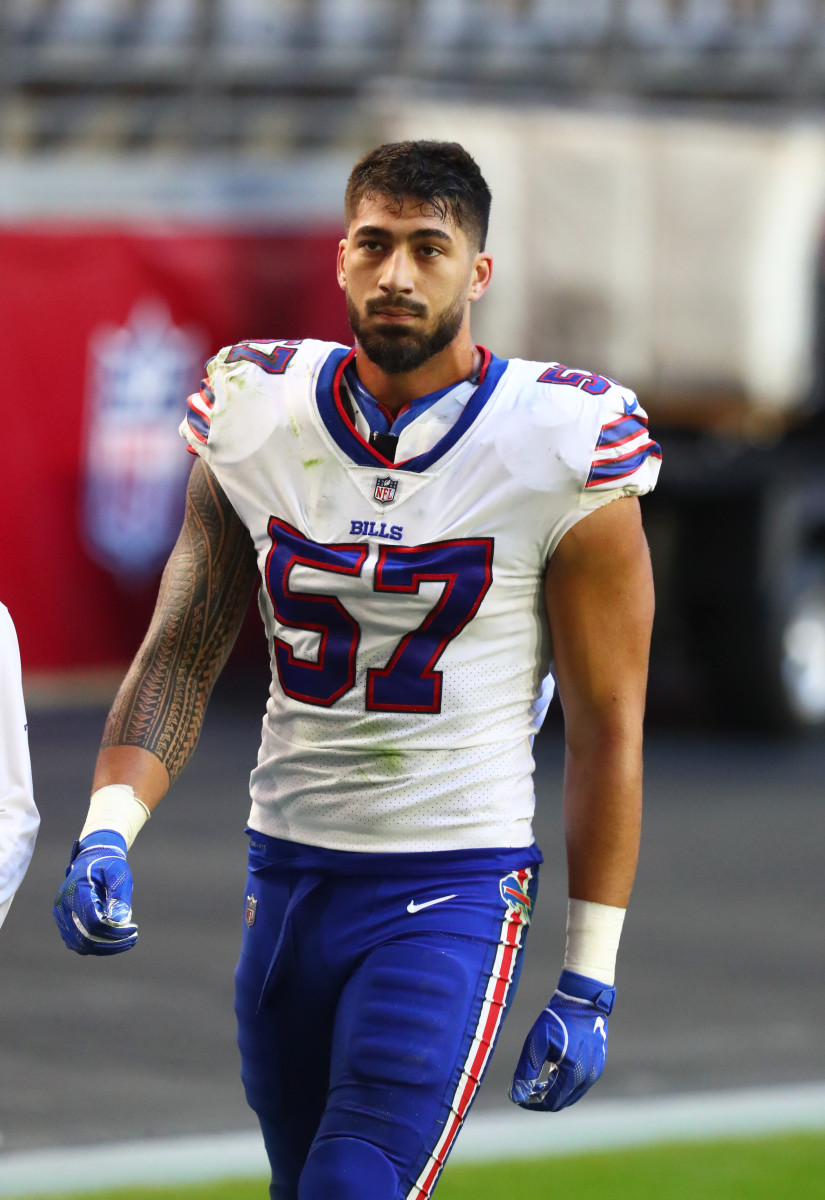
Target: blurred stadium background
pixel 171 175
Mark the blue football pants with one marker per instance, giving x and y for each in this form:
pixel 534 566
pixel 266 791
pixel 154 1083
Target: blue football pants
pixel 366 1018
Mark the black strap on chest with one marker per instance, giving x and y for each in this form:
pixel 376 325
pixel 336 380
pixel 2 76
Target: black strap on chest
pixel 346 400
pixel 385 443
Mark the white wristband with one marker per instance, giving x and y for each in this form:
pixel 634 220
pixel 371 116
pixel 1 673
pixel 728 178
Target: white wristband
pixel 116 807
pixel 593 932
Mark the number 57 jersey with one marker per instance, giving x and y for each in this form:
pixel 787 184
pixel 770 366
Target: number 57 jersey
pixel 403 601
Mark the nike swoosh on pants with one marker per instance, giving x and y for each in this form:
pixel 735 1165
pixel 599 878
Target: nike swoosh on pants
pixel 412 907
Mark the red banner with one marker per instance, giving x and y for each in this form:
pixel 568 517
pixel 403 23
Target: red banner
pixel 95 321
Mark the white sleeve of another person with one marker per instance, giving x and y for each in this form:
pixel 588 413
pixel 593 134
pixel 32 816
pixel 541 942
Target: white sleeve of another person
pixel 19 819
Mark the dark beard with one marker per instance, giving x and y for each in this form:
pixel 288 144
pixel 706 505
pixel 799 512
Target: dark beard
pixel 397 350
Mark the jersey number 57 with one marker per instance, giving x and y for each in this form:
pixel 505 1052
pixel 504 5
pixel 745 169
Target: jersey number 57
pixel 409 682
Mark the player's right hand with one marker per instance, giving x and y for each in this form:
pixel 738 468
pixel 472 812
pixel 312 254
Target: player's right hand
pixel 93 908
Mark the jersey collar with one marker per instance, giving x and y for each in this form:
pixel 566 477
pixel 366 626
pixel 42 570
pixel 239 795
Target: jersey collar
pixel 344 433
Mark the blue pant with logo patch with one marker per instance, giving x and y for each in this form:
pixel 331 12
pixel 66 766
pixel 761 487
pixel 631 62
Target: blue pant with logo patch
pixel 368 1005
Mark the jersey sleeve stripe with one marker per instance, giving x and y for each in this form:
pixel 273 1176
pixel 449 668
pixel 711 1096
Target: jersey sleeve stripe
pixel 198 405
pixel 198 426
pixel 207 395
pixel 623 430
pixel 607 470
pixel 199 417
pixel 639 416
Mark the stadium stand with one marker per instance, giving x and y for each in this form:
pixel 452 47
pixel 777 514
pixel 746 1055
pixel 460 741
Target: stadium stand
pixel 205 74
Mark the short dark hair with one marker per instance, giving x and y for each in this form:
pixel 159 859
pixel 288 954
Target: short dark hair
pixel 439 174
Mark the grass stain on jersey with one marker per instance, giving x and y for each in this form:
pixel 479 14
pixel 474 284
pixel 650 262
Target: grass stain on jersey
pixel 311 462
pixel 390 759
pixel 239 382
pixel 294 426
pixel 370 732
pixel 385 761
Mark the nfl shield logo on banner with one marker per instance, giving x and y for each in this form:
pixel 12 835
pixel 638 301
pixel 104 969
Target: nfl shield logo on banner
pixel 385 489
pixel 135 476
pixel 250 910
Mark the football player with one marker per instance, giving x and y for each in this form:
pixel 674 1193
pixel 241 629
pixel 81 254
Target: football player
pixel 429 526
pixel 19 819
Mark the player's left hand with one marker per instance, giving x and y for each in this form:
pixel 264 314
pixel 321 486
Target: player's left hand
pixel 93 907
pixel 564 1053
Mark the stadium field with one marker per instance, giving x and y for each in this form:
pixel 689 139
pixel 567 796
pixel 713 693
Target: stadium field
pixel 742 1169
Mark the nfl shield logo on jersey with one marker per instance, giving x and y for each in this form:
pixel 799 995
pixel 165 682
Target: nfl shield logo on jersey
pixel 385 489
pixel 514 894
pixel 250 910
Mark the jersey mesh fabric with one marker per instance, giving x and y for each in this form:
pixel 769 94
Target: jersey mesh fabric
pixel 19 819
pixel 454 771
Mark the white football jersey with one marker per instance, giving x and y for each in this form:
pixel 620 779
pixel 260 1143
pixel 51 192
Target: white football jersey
pixel 403 600
pixel 19 820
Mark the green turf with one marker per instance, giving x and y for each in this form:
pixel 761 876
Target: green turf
pixel 775 1168
pixel 790 1167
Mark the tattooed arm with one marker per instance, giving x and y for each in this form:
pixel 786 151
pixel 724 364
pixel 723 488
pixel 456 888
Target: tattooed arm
pixel 157 715
pixel 156 718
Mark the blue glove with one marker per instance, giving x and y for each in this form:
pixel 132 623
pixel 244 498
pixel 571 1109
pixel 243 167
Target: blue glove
pixel 93 908
pixel 565 1050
